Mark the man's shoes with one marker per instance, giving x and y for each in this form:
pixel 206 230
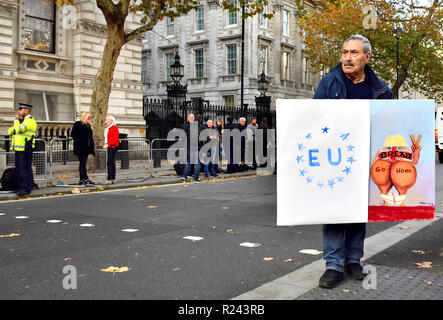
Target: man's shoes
pixel 113 181
pixel 183 179
pixel 206 175
pixel 107 182
pixel 354 271
pixel 23 193
pixel 331 278
pixel 214 175
pixel 196 181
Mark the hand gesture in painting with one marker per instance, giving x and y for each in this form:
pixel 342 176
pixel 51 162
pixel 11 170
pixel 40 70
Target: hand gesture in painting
pixel 416 148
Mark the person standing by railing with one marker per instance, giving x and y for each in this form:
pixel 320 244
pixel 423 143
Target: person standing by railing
pixel 209 166
pixel 111 143
pixel 83 145
pixel 23 143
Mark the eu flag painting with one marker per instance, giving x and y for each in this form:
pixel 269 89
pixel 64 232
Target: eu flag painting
pixel 350 161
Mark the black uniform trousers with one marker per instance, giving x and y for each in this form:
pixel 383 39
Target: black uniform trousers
pixel 23 164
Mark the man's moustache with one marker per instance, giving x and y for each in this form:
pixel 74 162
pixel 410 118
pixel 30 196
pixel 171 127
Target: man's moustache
pixel 348 64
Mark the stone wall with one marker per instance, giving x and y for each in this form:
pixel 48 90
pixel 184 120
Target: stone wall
pixel 71 69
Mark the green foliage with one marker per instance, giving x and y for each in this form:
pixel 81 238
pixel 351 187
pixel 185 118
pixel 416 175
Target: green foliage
pixel 326 27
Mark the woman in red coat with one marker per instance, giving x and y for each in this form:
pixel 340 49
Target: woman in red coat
pixel 111 143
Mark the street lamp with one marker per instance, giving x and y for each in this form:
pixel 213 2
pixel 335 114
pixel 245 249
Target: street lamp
pixel 263 84
pixel 177 92
pixel 397 32
pixel 262 102
pixel 177 69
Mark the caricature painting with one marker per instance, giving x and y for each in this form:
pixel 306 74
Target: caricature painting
pixel 402 172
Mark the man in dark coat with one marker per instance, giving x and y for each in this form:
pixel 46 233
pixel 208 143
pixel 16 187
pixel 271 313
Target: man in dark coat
pixel 352 79
pixel 242 127
pixel 264 126
pixel 229 145
pixel 192 129
pixel 83 145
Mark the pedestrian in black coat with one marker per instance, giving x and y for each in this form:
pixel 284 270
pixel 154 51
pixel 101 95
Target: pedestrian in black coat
pixel 83 144
pixel 229 144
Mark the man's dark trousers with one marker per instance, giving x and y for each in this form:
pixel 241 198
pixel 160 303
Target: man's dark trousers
pixel 23 164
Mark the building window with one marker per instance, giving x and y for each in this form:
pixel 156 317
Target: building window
pixel 199 18
pixel 285 66
pixel 262 60
pixel 144 74
pixel 232 17
pixel 263 22
pixel 286 22
pixel 48 106
pixel 231 58
pixel 228 101
pixel 198 53
pixel 40 25
pixel 169 59
pixel 169 27
pixel 305 76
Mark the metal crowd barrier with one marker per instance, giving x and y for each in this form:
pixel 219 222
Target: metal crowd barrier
pixel 132 161
pixel 160 164
pixel 39 163
pixel 134 158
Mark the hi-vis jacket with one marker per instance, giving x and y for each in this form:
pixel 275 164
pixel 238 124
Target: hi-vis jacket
pixel 23 132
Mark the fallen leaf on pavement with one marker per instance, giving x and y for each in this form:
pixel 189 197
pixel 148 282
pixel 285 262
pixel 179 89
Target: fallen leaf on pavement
pixel 152 207
pixel 268 258
pixel 115 269
pixel 429 283
pixel 67 259
pixel 75 191
pixel 225 208
pixel 345 290
pixel 10 235
pixel 229 231
pixel 424 265
pixel 418 251
pixel 403 227
pixel 288 260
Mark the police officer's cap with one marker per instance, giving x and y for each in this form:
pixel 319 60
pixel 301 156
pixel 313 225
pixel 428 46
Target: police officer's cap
pixel 24 105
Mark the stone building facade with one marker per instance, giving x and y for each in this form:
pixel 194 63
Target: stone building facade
pixel 49 57
pixel 208 41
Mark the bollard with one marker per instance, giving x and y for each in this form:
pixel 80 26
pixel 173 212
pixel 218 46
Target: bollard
pixel 123 150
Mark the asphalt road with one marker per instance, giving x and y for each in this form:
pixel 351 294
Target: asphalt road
pixel 162 264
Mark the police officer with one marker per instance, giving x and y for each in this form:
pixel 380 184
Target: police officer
pixel 23 142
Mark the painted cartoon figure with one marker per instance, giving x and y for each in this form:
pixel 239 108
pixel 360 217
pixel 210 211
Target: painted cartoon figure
pixel 394 165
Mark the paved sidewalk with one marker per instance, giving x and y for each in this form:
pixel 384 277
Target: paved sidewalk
pixel 412 269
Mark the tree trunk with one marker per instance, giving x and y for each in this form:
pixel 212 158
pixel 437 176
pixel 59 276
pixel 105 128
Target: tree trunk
pixel 102 87
pixel 103 79
pixel 401 79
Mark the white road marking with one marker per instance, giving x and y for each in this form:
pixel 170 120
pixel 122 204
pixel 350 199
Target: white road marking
pixel 193 238
pixel 310 251
pixel 53 221
pixel 250 244
pixel 87 225
pixel 21 217
pixel 130 230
